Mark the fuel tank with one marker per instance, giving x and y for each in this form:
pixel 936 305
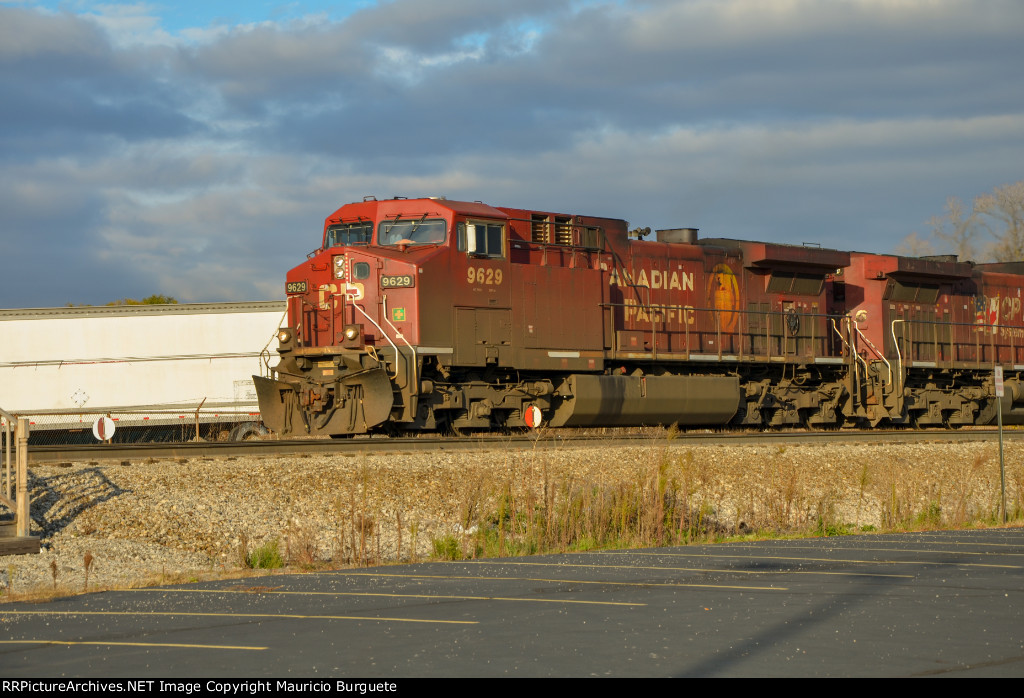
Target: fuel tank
pixel 650 400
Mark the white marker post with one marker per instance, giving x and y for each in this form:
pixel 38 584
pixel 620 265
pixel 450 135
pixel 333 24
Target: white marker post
pixel 999 417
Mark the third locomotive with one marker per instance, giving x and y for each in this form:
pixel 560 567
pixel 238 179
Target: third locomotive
pixel 430 314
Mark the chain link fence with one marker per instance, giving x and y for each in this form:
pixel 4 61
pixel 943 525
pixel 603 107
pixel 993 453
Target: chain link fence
pixel 142 425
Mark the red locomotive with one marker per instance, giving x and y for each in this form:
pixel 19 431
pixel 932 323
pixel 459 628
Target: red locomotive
pixel 432 314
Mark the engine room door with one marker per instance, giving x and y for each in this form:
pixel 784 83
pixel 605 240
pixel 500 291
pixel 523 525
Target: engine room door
pixel 483 315
pixel 482 336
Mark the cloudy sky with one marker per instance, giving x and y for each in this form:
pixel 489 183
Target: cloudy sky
pixel 194 148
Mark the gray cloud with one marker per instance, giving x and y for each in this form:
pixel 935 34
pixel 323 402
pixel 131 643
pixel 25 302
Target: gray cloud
pixel 682 65
pixel 64 85
pixel 205 170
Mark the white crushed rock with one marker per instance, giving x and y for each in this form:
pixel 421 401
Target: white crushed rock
pixel 173 519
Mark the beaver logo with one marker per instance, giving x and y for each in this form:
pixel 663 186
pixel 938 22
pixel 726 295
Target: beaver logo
pixel 724 296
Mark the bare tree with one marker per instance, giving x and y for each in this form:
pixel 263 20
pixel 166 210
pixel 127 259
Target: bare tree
pixel 957 229
pixel 999 215
pixel 1002 215
pixel 914 246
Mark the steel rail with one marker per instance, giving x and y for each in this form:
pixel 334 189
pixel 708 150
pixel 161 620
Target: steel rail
pixel 545 440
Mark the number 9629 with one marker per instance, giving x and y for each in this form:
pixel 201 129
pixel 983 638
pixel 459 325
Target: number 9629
pixel 487 276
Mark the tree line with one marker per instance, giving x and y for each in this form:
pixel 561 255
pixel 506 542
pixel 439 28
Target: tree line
pixel 155 299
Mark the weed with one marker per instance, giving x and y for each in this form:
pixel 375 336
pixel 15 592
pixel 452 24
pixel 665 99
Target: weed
pixel 447 547
pixel 414 530
pixel 87 561
pixel 865 480
pixel 243 550
pixel 365 526
pixel 931 515
pixel 823 528
pixel 398 530
pixel 300 544
pixel 265 557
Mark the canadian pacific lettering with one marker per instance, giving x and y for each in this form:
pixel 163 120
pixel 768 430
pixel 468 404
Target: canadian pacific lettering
pixel 653 279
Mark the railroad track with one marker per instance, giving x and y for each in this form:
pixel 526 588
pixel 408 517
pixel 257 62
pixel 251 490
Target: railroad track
pixel 543 440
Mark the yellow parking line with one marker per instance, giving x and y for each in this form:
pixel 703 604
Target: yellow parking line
pixel 129 644
pixel 231 615
pixel 971 543
pixel 398 596
pixel 829 559
pixel 568 581
pixel 684 569
pixel 885 550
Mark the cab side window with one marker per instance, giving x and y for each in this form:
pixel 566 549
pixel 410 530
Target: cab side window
pixel 346 234
pixel 482 238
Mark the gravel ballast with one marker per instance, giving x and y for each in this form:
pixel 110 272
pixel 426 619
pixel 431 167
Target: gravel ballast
pixel 173 520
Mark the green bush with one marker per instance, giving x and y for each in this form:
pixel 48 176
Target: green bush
pixel 447 547
pixel 265 557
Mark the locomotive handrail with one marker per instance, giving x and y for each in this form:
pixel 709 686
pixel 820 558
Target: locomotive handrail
pixel 265 352
pixel 993 347
pixel 265 361
pixel 992 330
pixel 382 334
pixel 858 360
pixel 835 328
pixel 874 349
pixel 398 335
pixel 853 352
pixel 899 355
pixel 690 312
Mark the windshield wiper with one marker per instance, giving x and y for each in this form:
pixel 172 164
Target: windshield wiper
pixel 416 225
pixel 388 229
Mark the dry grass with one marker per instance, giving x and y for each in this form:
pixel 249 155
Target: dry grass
pixel 679 498
pixel 369 510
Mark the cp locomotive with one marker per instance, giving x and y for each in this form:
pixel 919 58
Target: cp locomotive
pixel 422 314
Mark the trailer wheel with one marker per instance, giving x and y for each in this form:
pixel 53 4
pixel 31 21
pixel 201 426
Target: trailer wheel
pixel 248 431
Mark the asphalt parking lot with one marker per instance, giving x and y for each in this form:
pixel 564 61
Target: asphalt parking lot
pixel 919 604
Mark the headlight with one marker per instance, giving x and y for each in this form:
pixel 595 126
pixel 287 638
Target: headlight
pixel 339 267
pixel 352 336
pixel 284 336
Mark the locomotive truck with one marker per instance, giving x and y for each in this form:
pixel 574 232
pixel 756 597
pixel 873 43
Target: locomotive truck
pixel 426 314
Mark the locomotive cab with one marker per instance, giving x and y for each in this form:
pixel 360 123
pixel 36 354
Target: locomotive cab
pixel 392 282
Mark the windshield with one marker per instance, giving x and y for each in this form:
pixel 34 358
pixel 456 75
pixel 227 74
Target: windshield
pixel 412 231
pixel 349 234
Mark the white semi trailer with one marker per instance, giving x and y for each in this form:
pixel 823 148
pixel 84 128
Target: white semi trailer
pixel 151 368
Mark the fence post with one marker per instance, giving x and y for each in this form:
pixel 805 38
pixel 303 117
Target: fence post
pixel 24 524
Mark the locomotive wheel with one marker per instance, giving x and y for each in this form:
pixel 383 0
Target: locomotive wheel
pixel 948 424
pixel 824 426
pixel 807 424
